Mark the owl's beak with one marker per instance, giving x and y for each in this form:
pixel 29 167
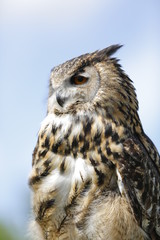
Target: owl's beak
pixel 61 100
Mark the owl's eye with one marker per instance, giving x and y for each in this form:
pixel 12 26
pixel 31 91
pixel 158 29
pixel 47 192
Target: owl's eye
pixel 78 80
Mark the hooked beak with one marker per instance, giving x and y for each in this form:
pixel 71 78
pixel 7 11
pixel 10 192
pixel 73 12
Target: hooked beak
pixel 61 100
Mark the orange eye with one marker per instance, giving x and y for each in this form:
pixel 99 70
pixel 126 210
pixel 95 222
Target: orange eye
pixel 78 80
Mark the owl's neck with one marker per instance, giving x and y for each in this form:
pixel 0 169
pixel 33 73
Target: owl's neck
pixel 111 109
pixel 77 135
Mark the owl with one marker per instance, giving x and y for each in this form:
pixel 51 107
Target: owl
pixel 95 174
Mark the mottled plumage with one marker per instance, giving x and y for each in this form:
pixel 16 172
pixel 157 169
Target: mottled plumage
pixel 95 175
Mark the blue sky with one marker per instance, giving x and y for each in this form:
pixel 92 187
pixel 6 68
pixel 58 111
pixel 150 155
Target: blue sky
pixel 37 35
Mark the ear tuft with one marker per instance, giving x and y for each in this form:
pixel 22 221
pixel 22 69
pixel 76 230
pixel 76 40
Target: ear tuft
pixel 106 52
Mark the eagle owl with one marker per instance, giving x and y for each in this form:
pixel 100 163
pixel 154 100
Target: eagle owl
pixel 95 174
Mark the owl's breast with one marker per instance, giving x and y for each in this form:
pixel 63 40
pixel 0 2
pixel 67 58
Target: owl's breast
pixel 56 193
pixel 72 167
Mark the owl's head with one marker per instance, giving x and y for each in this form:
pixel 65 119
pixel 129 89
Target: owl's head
pixel 92 82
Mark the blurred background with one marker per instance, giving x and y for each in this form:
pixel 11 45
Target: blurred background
pixel 37 35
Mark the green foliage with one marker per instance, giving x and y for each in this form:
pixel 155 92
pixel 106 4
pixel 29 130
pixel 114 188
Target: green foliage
pixel 5 234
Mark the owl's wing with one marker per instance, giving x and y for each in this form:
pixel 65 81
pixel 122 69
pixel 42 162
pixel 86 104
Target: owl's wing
pixel 139 182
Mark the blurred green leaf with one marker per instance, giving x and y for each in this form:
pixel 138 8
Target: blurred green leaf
pixel 5 234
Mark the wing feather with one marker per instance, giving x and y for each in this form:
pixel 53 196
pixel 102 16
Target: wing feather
pixel 141 180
